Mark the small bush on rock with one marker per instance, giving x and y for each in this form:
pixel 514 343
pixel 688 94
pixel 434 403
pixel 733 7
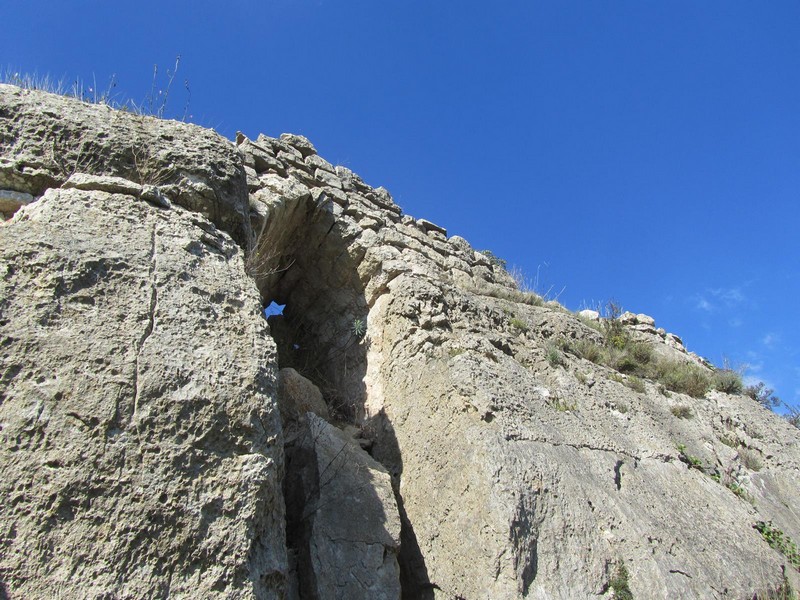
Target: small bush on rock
pixel 683 378
pixel 554 356
pixel 727 381
pixel 495 260
pixel 780 542
pixel 763 395
pixel 682 411
pixel 619 583
pixel 749 459
pixel 519 324
pixel 636 384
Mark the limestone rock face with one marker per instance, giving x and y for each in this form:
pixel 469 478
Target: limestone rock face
pixel 344 527
pixel 46 140
pixel 141 446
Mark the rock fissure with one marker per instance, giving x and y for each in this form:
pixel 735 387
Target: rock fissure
pixel 151 319
pixel 616 451
pixel 618 474
pixel 678 571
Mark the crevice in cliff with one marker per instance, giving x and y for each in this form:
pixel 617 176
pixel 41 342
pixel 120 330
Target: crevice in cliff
pixel 148 331
pixel 301 261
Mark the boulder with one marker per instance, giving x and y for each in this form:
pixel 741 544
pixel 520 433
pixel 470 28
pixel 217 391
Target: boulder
pixel 344 525
pixel 10 201
pixel 298 396
pixel 299 142
pixel 643 319
pixel 48 138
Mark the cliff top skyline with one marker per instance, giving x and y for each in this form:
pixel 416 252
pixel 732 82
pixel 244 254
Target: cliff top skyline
pixel 643 153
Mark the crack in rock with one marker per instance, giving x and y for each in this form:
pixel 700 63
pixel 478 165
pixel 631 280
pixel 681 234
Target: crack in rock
pixel 148 330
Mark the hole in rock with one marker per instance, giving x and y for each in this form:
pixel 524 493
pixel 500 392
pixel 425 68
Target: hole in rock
pixel 274 309
pixel 304 262
pixel 317 312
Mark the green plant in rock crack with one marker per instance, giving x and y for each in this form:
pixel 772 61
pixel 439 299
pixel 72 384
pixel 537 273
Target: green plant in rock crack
pixel 779 541
pixel 563 405
pixel 682 411
pixel 495 260
pixel 518 324
pixel 733 478
pixel 619 583
pixel 554 356
pixel 692 461
pixel 358 328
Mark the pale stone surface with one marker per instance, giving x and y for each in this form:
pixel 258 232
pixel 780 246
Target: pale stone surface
pixel 140 444
pixel 195 167
pixel 297 396
pixel 299 142
pixel 343 520
pixel 512 475
pixel 643 319
pixel 102 183
pixel 429 226
pixel 591 315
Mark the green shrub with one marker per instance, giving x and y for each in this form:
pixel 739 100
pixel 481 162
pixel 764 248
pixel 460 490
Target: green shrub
pixel 763 395
pixel 738 489
pixel 641 353
pixel 512 295
pixel 793 416
pixel 683 378
pixel 562 405
pixel 586 349
pixel 692 461
pixel 749 458
pixel 358 328
pixel 727 381
pixel 554 356
pixel 682 411
pixel 780 542
pixel 627 364
pixel 519 324
pixel 636 384
pixel 617 341
pixel 494 259
pixel 620 584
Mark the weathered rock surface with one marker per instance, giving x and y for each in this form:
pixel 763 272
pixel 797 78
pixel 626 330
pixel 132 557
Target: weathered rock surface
pixel 344 527
pixel 297 396
pixel 142 450
pixel 46 139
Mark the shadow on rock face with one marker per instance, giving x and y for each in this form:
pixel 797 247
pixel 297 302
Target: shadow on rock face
pixel 414 578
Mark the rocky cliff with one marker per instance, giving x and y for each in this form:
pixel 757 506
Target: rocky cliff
pixel 412 426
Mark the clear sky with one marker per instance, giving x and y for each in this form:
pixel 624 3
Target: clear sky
pixel 643 151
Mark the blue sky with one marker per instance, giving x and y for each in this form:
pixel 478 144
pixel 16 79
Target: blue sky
pixel 643 151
